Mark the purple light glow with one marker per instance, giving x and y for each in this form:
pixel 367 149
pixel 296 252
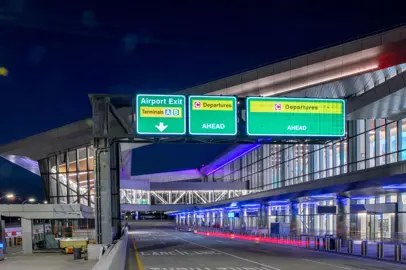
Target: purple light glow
pixel 24 162
pixel 362 198
pixel 250 205
pixel 399 186
pixel 229 157
pixel 278 202
pixel 169 176
pixel 322 196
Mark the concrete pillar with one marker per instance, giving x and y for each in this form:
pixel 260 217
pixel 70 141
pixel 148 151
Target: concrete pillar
pixel 26 227
pixel 343 219
pixel 104 228
pixel 294 218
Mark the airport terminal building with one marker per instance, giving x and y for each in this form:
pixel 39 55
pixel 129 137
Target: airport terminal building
pixel 362 174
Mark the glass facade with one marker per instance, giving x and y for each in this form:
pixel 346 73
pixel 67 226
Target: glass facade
pixel 369 143
pixel 68 178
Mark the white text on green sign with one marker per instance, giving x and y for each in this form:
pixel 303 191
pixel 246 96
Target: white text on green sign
pixel 298 117
pixel 161 114
pixel 212 115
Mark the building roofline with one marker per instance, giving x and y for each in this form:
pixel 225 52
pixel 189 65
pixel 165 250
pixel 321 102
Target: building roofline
pixel 304 53
pixel 81 133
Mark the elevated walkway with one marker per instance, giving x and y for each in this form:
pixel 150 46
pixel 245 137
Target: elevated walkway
pixel 161 186
pixel 157 207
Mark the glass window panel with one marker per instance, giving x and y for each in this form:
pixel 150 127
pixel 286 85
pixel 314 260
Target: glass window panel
pixel 360 141
pixel 403 142
pixel 91 164
pixel 323 167
pixel 382 142
pixel 52 164
pixel 90 151
pixel 72 161
pixel 370 147
pixel 62 163
pixel 337 157
pixel 393 141
pixel 53 185
pixel 329 159
pixel 82 153
pixel 316 164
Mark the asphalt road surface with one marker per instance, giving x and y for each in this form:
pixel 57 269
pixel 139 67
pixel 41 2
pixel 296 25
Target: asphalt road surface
pixel 167 249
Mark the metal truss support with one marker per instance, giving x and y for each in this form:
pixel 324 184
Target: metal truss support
pixel 132 196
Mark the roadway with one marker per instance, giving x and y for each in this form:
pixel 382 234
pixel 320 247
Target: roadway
pixel 160 248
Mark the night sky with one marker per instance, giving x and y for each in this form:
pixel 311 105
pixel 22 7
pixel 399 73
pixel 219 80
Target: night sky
pixel 57 52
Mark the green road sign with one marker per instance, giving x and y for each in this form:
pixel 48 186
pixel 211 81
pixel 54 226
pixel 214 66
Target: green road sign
pixel 212 115
pixel 161 114
pixel 295 117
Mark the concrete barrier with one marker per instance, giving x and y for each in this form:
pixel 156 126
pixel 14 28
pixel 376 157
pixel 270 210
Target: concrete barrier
pixel 115 256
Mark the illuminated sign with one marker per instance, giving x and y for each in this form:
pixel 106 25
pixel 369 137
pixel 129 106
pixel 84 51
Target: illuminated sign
pixel 161 114
pixel 212 115
pixel 3 71
pixel 295 117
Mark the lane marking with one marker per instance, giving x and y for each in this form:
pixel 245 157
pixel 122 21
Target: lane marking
pixel 263 250
pixel 137 256
pixel 231 255
pixel 15 253
pixel 221 242
pixel 179 252
pixel 332 265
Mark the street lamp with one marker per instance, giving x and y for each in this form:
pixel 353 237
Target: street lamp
pixel 30 200
pixel 45 202
pixel 8 196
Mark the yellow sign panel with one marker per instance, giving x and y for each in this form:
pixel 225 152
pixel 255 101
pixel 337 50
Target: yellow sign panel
pixel 172 112
pixel 212 105
pixel 296 107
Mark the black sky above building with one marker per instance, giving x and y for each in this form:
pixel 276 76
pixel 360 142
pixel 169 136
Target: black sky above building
pixel 57 52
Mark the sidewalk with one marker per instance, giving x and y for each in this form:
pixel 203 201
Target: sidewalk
pixel 45 262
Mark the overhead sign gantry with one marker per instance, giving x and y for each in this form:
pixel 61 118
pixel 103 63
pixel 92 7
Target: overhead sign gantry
pixel 255 118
